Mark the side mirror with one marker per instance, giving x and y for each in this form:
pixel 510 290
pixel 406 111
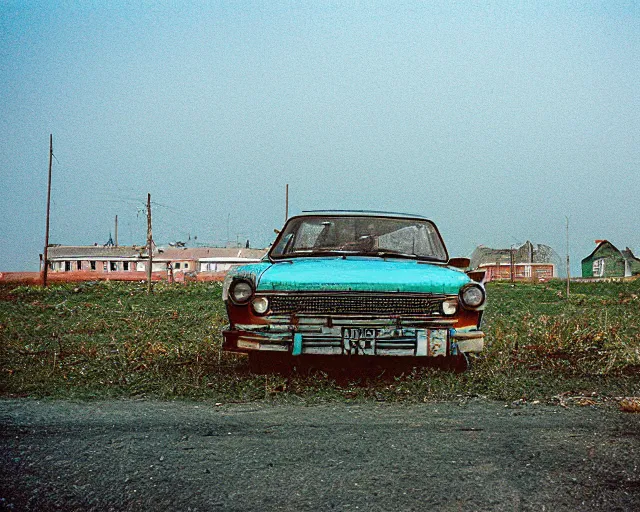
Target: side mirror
pixel 461 263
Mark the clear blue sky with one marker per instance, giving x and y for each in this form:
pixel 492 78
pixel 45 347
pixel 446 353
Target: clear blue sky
pixel 495 120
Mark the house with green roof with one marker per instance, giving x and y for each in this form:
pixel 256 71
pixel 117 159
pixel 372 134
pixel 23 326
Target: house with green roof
pixel 607 260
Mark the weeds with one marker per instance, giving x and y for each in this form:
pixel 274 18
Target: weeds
pixel 111 339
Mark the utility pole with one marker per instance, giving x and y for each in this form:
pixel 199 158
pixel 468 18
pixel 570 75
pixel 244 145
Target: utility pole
pixel 116 231
pixel 286 204
pixel 45 268
pixel 512 264
pixel 568 267
pixel 149 244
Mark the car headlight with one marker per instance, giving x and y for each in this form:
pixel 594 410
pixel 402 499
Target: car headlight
pixel 240 291
pixel 449 307
pixel 226 284
pixel 472 296
pixel 260 305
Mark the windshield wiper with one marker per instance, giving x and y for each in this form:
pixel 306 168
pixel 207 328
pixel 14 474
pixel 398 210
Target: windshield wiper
pixel 383 253
pixel 397 254
pixel 314 252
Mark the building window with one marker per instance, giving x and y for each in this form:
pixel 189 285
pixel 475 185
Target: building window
pixel 93 265
pixel 114 266
pixel 104 266
pixel 79 265
pixel 186 265
pixel 67 266
pixel 177 266
pixel 598 267
pixel 125 266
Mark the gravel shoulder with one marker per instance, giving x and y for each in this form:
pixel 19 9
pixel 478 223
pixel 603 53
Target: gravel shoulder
pixel 476 455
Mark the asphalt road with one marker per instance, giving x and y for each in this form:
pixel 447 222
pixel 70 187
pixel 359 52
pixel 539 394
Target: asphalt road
pixel 143 455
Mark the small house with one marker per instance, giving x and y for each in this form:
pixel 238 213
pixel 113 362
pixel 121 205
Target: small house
pixel 607 260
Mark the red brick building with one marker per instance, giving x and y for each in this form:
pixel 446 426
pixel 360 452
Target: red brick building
pixel 527 262
pixel 521 271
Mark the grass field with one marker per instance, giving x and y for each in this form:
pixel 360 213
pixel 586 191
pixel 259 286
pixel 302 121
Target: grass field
pixel 110 339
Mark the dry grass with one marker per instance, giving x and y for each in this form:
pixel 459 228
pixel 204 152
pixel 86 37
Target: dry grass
pixel 111 339
pixel 630 404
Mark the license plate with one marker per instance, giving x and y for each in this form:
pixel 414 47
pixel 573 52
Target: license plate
pixel 359 340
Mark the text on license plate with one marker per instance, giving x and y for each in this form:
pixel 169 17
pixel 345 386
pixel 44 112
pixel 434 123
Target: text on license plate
pixel 372 340
pixel 360 340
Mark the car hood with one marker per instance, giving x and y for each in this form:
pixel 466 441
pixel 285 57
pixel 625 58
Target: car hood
pixel 358 274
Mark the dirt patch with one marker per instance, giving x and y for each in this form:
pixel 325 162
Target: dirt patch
pixel 475 455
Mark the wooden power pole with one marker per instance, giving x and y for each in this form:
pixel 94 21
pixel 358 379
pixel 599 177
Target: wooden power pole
pixel 45 267
pixel 568 267
pixel 512 264
pixel 149 244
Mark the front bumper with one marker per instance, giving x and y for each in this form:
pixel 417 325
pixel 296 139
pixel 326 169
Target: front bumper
pixel 383 341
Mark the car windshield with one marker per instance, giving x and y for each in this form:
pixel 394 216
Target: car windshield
pixel 360 235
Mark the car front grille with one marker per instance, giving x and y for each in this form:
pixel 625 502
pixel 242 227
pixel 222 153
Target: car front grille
pixel 349 303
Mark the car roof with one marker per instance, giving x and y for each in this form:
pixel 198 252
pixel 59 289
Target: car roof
pixel 364 213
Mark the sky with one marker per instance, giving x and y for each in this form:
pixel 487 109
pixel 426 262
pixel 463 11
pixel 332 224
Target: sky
pixel 497 120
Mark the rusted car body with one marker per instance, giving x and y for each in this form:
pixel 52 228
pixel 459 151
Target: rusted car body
pixel 352 287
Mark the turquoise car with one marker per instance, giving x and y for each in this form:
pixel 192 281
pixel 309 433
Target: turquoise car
pixel 350 288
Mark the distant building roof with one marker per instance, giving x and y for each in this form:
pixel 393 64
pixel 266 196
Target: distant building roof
pixel 61 252
pixel 93 251
pixel 599 245
pixel 629 256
